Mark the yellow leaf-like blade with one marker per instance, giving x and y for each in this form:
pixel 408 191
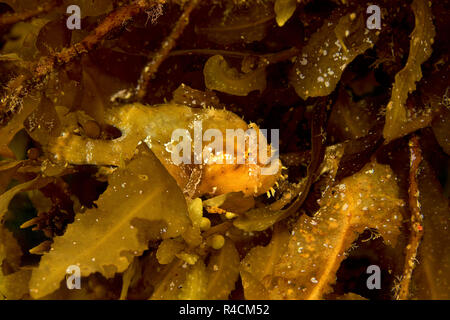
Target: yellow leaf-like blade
pixel 398 123
pixel 6 197
pixel 330 50
pixel 10 252
pixel 8 131
pixel 179 280
pixel 128 277
pixel 92 103
pixel 167 280
pixel 284 9
pixel 12 285
pixel 219 76
pixel 258 219
pixel 168 249
pixel 43 123
pixel 223 272
pixel 142 202
pixel 194 288
pixel 367 199
pixel 7 171
pixel 239 24
pixel 260 262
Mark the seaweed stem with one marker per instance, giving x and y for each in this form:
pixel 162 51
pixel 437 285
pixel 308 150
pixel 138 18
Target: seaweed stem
pixel 416 228
pixel 318 139
pixel 168 44
pixel 17 88
pixel 13 18
pixel 269 57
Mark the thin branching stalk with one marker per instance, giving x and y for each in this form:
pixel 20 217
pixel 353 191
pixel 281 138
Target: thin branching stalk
pixel 416 227
pixel 18 88
pixel 13 18
pixel 167 45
